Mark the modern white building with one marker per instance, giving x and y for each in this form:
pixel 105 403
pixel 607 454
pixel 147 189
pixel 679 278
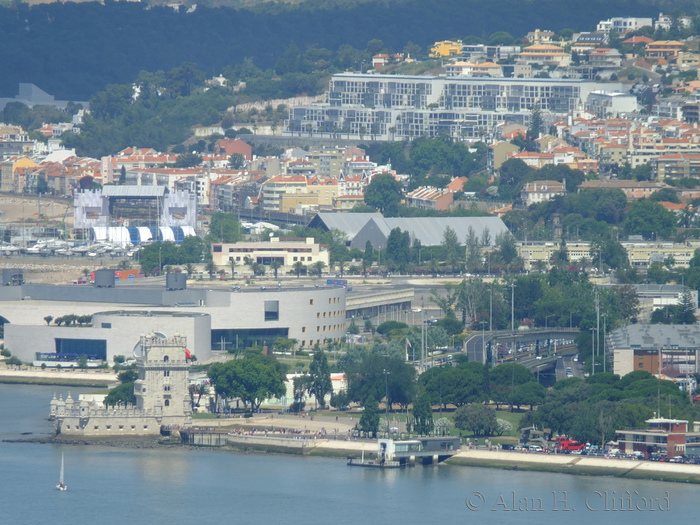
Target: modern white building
pixel 396 107
pixel 621 24
pixel 606 104
pixel 213 319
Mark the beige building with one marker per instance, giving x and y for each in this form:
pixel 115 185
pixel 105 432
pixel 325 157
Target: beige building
pixel 285 251
pixel 538 253
pixel 541 191
pixel 162 396
pixel 545 54
pixel 641 253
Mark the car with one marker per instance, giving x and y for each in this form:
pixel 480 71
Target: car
pixel 507 446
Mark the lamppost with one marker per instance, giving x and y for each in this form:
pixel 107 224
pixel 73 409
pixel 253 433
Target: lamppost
pixel 512 306
pixel 605 332
pixel 592 329
pixel 160 260
pixel 490 308
pixel 386 386
pixel 546 319
pixel 483 341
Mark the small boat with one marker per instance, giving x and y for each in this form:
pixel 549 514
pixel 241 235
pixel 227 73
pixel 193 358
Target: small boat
pixel 61 484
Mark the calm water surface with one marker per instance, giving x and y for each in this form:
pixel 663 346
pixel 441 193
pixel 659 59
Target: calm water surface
pixel 116 486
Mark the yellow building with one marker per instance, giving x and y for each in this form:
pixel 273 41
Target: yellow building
pixel 8 174
pixel 447 48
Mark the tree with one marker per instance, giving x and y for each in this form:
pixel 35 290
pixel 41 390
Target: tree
pixel 128 376
pixel 224 227
pixel 477 418
pixel 536 124
pixel 48 319
pixel 320 374
pixel 451 248
pixel 122 394
pixel 275 265
pixel 236 161
pixel 505 378
pixel 649 219
pixel 211 269
pixel 353 329
pixel 686 308
pixel 422 415
pixel 318 267
pixel 300 388
pixel 473 248
pixel 367 257
pixel 369 422
pixel 530 393
pixel 252 379
pixel 298 268
pixel 384 193
pixel 188 160
pixel 398 248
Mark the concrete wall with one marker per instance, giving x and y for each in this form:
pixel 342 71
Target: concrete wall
pixel 25 340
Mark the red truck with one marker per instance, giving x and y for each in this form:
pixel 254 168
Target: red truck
pixel 565 444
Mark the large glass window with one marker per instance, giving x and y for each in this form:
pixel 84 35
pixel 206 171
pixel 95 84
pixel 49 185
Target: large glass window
pixel 234 340
pixel 272 310
pixel 74 348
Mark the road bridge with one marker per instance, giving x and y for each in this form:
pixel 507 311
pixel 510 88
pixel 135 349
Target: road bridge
pixel 483 347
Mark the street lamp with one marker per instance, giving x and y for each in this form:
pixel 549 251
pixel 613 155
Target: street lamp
pixel 592 329
pixel 490 308
pixel 546 319
pixel 160 260
pixel 605 332
pixel 386 386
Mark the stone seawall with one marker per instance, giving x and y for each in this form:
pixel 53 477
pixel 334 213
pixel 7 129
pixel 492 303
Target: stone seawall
pixel 574 464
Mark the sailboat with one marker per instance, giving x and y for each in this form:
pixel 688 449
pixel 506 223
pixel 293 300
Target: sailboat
pixel 61 484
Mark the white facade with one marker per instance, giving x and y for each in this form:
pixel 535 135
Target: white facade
pixel 395 107
pixel 161 391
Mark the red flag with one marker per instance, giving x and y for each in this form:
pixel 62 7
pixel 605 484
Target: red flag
pixel 188 354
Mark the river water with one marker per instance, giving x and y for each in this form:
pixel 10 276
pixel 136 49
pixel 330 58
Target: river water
pixel 109 485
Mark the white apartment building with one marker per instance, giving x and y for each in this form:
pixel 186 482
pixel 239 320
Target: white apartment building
pixel 623 24
pixel 396 107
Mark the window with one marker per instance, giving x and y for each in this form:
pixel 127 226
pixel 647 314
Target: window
pixel 166 388
pixel 166 373
pixel 166 359
pixel 106 325
pixel 167 402
pixel 303 329
pixel 311 301
pixel 272 310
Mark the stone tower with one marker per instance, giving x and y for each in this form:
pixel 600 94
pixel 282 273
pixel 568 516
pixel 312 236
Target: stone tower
pixel 162 386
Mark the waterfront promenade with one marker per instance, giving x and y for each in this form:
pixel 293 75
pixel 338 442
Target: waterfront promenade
pixel 53 376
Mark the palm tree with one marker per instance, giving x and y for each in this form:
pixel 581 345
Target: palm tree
pixel 124 265
pixel 298 267
pixel 232 264
pixel 189 268
pixel 211 269
pixel 275 265
pixel 341 267
pixel 318 267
